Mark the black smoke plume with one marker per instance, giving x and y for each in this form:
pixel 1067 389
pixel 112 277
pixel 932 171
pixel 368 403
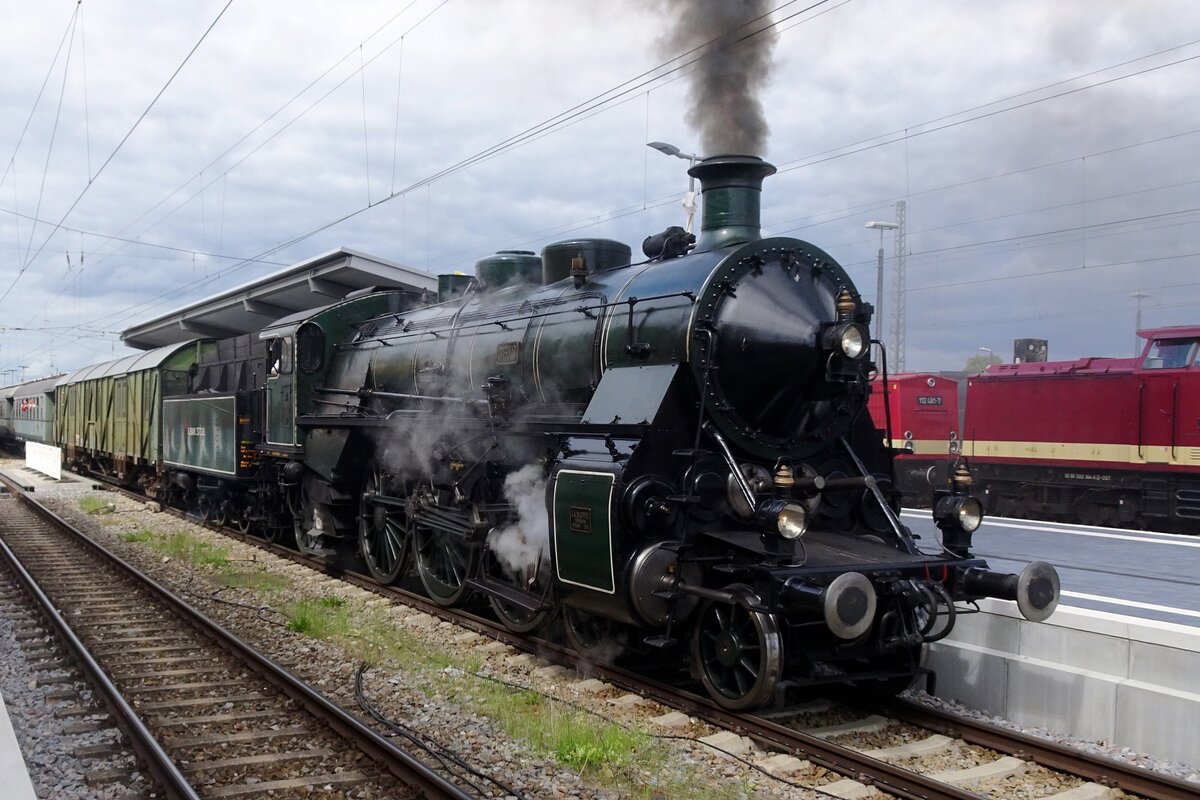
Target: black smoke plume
pixel 733 66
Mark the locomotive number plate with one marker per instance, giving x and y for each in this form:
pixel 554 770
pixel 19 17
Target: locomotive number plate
pixel 581 519
pixel 928 400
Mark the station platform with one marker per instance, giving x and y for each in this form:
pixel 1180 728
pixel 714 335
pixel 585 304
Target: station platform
pixel 1086 673
pixel 15 783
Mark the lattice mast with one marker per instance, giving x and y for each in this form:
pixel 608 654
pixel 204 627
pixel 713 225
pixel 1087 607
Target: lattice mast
pixel 898 283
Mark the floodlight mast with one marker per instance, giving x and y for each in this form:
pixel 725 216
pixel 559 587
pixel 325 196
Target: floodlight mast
pixel 881 227
pixel 689 199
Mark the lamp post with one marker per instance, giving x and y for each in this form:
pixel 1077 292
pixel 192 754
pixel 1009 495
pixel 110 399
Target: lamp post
pixel 1137 322
pixel 881 227
pixel 689 199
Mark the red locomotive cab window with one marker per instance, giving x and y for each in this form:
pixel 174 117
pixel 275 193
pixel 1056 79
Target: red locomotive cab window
pixel 1171 354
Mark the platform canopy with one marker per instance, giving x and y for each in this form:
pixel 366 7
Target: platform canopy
pixel 250 307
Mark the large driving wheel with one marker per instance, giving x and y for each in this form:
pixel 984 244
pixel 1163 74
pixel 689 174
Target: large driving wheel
pixel 598 639
pixel 444 561
pixel 383 533
pixel 517 618
pixel 738 651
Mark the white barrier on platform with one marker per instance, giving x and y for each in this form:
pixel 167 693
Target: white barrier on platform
pixel 1092 674
pixel 44 458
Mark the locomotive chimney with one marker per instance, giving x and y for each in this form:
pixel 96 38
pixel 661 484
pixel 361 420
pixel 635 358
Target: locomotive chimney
pixel 731 187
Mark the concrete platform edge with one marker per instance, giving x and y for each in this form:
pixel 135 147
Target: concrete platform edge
pixel 1091 674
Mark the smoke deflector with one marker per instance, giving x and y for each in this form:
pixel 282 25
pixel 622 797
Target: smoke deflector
pixel 731 187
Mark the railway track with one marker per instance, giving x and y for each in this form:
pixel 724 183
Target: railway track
pixel 899 770
pixel 207 715
pixel 89 742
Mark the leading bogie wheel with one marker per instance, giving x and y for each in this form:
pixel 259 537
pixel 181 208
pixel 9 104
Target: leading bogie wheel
pixel 383 532
pixel 444 561
pixel 738 650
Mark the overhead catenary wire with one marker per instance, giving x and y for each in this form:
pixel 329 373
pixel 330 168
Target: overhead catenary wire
pixel 37 100
pixel 279 110
pixel 49 152
pixel 999 110
pixel 622 90
pixel 116 150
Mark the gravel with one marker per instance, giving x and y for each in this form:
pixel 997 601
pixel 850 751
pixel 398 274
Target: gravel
pixel 1189 772
pixel 45 745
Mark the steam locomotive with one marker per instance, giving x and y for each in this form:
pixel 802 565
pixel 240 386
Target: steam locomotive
pixel 670 456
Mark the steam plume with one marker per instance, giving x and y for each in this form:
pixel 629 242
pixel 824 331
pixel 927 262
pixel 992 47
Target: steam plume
pixel 521 546
pixel 723 97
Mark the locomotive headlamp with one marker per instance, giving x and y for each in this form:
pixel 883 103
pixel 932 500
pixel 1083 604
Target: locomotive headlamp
pixel 789 519
pixel 849 339
pixel 792 521
pixel 958 512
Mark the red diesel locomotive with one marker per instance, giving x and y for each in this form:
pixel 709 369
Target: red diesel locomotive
pixel 1103 441
pixel 921 411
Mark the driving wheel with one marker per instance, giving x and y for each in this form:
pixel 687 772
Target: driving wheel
pixel 383 531
pixel 444 562
pixel 738 650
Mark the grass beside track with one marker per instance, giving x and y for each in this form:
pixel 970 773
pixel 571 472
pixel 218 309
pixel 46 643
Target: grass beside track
pixel 632 762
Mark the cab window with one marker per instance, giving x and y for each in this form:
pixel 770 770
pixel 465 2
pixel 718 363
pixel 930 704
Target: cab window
pixel 310 347
pixel 279 357
pixel 1170 353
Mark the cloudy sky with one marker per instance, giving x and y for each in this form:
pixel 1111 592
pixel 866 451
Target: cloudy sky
pixel 1047 152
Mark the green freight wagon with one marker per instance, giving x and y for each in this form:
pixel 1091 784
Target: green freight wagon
pixel 108 416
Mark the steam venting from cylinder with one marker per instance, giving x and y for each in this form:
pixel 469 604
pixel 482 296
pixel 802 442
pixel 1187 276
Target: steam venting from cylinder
pixel 731 64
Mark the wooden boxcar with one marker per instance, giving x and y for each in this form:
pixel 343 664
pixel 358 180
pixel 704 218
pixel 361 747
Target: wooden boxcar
pixel 109 415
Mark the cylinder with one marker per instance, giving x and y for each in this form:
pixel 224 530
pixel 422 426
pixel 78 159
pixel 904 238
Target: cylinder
pixel 508 267
pixel 597 255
